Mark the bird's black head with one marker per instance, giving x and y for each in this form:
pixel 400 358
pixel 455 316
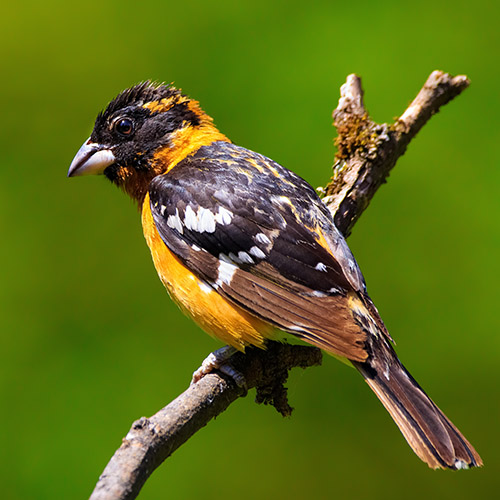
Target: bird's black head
pixel 130 133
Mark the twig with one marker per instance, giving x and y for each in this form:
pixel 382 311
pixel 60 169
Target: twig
pixel 367 151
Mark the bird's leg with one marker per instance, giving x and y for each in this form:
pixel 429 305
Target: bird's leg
pixel 218 360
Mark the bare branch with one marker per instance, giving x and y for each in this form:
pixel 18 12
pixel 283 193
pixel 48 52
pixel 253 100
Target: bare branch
pixel 151 440
pixel 367 152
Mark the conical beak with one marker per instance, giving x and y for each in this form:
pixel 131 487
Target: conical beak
pixel 91 159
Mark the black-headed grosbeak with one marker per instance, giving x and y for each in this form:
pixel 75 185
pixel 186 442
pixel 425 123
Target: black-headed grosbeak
pixel 247 249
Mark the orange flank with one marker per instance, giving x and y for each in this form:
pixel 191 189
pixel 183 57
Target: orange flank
pixel 198 300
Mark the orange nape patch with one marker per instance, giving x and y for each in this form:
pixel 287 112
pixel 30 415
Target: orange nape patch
pixel 186 139
pixel 165 104
pixel 213 313
pixel 184 142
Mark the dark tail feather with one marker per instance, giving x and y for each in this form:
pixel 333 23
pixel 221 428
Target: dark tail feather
pixel 428 431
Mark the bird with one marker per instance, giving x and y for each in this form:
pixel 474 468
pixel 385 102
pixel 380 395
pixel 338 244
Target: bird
pixel 249 251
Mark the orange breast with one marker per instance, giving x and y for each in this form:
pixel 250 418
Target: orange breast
pixel 217 316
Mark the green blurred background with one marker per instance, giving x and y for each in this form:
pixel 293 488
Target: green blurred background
pixel 90 340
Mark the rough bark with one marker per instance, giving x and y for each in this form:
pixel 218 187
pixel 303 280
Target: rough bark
pixel 367 151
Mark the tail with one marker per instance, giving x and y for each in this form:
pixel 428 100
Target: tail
pixel 426 428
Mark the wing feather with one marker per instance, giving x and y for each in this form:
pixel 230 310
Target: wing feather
pixel 268 230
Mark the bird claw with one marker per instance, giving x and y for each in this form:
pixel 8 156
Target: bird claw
pixel 218 360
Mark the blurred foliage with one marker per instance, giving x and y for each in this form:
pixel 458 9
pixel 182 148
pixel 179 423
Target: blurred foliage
pixel 90 340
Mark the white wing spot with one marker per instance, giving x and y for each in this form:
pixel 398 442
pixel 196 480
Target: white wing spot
pixel 190 219
pixel 204 287
pixel 295 328
pixel 224 216
pixel 262 238
pixel 196 248
pixel 241 258
pixel 201 221
pixel 321 267
pixel 206 220
pixel 226 272
pixel 174 221
pixel 317 293
pixel 257 252
pixel 162 209
pixel 245 258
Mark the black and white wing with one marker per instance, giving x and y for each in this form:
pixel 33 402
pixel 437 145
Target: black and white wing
pixel 259 235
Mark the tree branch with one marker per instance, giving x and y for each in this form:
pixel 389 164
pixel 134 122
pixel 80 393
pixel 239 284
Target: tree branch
pixel 367 152
pixel 151 440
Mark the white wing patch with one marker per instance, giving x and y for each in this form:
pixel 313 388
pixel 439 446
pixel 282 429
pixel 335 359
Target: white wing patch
pixel 204 220
pixel 224 216
pixel 241 258
pixel 321 267
pixel 245 258
pixel 190 218
pixel 226 271
pixel 265 240
pixel 174 221
pixel 257 252
pixel 262 238
pixel 204 287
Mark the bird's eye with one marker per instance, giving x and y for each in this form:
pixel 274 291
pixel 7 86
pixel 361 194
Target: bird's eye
pixel 124 126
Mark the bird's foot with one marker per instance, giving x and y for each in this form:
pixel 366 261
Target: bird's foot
pixel 218 360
